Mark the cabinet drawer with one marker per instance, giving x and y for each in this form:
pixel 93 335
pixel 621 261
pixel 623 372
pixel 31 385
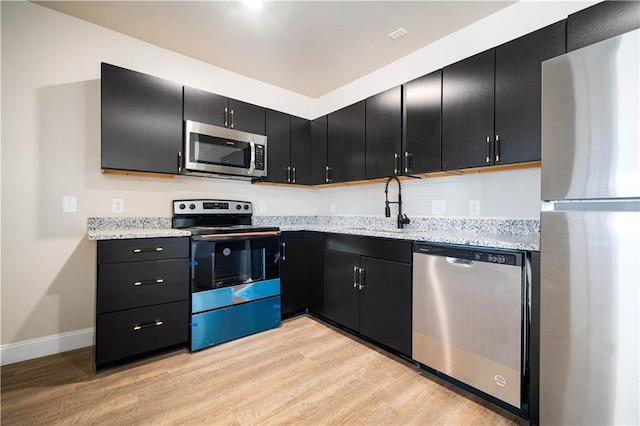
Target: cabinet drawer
pixel 124 334
pixel 142 249
pixel 381 248
pixel 133 285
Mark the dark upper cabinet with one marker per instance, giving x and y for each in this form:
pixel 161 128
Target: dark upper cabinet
pixel 518 101
pixel 422 124
pixel 467 111
pixel 278 125
pixel 319 162
pixel 289 145
pixel 300 151
pixel 346 143
pixel 217 110
pixel 600 22
pixel 141 121
pixel 384 134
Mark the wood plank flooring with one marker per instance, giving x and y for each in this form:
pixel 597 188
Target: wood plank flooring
pixel 302 373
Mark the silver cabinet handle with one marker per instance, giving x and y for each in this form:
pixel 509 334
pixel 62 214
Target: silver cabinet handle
pixel 361 278
pixel 179 162
pixel 226 117
pixel 232 123
pixel 156 323
pixel 146 250
pixel 294 175
pixel 154 281
pixel 407 165
pixel 327 174
pixel 288 174
pixel 283 255
pixel 488 160
pixel 497 148
pixel 356 277
pixel 396 163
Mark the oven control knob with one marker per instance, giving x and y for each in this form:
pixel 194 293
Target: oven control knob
pixel 192 206
pixel 181 206
pixel 238 206
pixel 246 206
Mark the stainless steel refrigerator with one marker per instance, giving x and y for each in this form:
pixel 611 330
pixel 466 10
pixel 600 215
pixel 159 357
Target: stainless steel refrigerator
pixel 590 236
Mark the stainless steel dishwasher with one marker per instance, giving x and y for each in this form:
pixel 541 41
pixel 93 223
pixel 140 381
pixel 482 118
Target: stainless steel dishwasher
pixel 469 317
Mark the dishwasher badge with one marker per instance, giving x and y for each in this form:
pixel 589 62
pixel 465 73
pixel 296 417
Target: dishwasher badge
pixel 500 381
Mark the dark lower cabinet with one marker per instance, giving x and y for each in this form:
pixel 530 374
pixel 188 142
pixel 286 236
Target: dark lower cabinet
pixel 293 273
pixel 367 288
pixel 346 144
pixel 314 272
pixel 422 124
pixel 142 303
pixel 601 21
pixel 141 121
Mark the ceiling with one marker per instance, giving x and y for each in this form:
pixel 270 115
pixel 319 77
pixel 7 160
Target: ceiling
pixel 308 47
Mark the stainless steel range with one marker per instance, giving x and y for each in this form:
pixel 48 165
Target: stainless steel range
pixel 235 270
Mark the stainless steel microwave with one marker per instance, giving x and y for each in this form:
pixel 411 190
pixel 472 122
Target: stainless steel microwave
pixel 221 152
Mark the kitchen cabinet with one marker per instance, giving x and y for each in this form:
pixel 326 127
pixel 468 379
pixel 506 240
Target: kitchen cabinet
pixel 293 273
pixel 384 134
pixel 141 121
pixel 518 99
pixel 314 272
pixel 600 22
pixel 422 124
pixel 217 110
pixel 491 102
pixel 278 126
pixel 367 288
pixel 319 162
pixel 289 148
pixel 346 144
pixel 142 303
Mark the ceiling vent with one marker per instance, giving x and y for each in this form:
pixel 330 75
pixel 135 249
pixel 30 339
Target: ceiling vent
pixel 397 33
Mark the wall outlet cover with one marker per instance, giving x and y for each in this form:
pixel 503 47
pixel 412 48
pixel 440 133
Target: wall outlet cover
pixel 474 207
pixel 117 205
pixel 69 204
pixel 438 206
pixel 332 207
pixel 263 207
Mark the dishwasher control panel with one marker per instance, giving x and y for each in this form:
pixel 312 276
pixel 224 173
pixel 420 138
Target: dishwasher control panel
pixel 471 253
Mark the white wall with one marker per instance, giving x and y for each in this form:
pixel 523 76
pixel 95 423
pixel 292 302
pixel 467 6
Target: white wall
pixel 51 147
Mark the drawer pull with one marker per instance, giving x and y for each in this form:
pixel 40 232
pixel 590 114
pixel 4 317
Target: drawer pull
pixel 155 281
pixel 144 250
pixel 151 324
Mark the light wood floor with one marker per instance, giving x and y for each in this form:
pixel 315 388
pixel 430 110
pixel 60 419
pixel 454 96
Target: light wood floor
pixel 302 373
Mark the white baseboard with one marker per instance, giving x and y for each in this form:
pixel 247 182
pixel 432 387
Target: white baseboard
pixel 43 346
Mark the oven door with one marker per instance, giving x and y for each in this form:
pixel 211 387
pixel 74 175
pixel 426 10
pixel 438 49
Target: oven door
pixel 235 283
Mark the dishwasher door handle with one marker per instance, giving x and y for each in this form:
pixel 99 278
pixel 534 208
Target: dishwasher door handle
pixel 464 263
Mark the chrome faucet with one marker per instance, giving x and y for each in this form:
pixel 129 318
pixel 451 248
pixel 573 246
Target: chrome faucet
pixel 402 218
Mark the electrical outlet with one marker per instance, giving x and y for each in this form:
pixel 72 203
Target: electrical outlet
pixel 117 205
pixel 69 204
pixel 474 207
pixel 438 207
pixel 332 207
pixel 263 207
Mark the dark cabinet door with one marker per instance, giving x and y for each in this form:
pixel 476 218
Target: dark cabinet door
pixel 319 151
pixel 467 112
pixel 217 110
pixel 518 100
pixel 293 273
pixel 278 146
pixel 141 121
pixel 247 117
pixel 423 114
pixel 205 107
pixel 341 300
pixel 346 143
pixel 314 271
pixel 384 134
pixel 600 22
pixel 385 303
pixel 300 151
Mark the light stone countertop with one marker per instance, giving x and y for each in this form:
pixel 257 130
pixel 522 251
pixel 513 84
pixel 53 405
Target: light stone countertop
pixel 494 233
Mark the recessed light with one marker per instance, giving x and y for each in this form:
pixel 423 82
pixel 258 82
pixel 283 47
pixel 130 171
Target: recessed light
pixel 397 33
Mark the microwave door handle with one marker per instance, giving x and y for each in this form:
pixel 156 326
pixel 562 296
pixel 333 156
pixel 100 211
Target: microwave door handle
pixel 252 163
